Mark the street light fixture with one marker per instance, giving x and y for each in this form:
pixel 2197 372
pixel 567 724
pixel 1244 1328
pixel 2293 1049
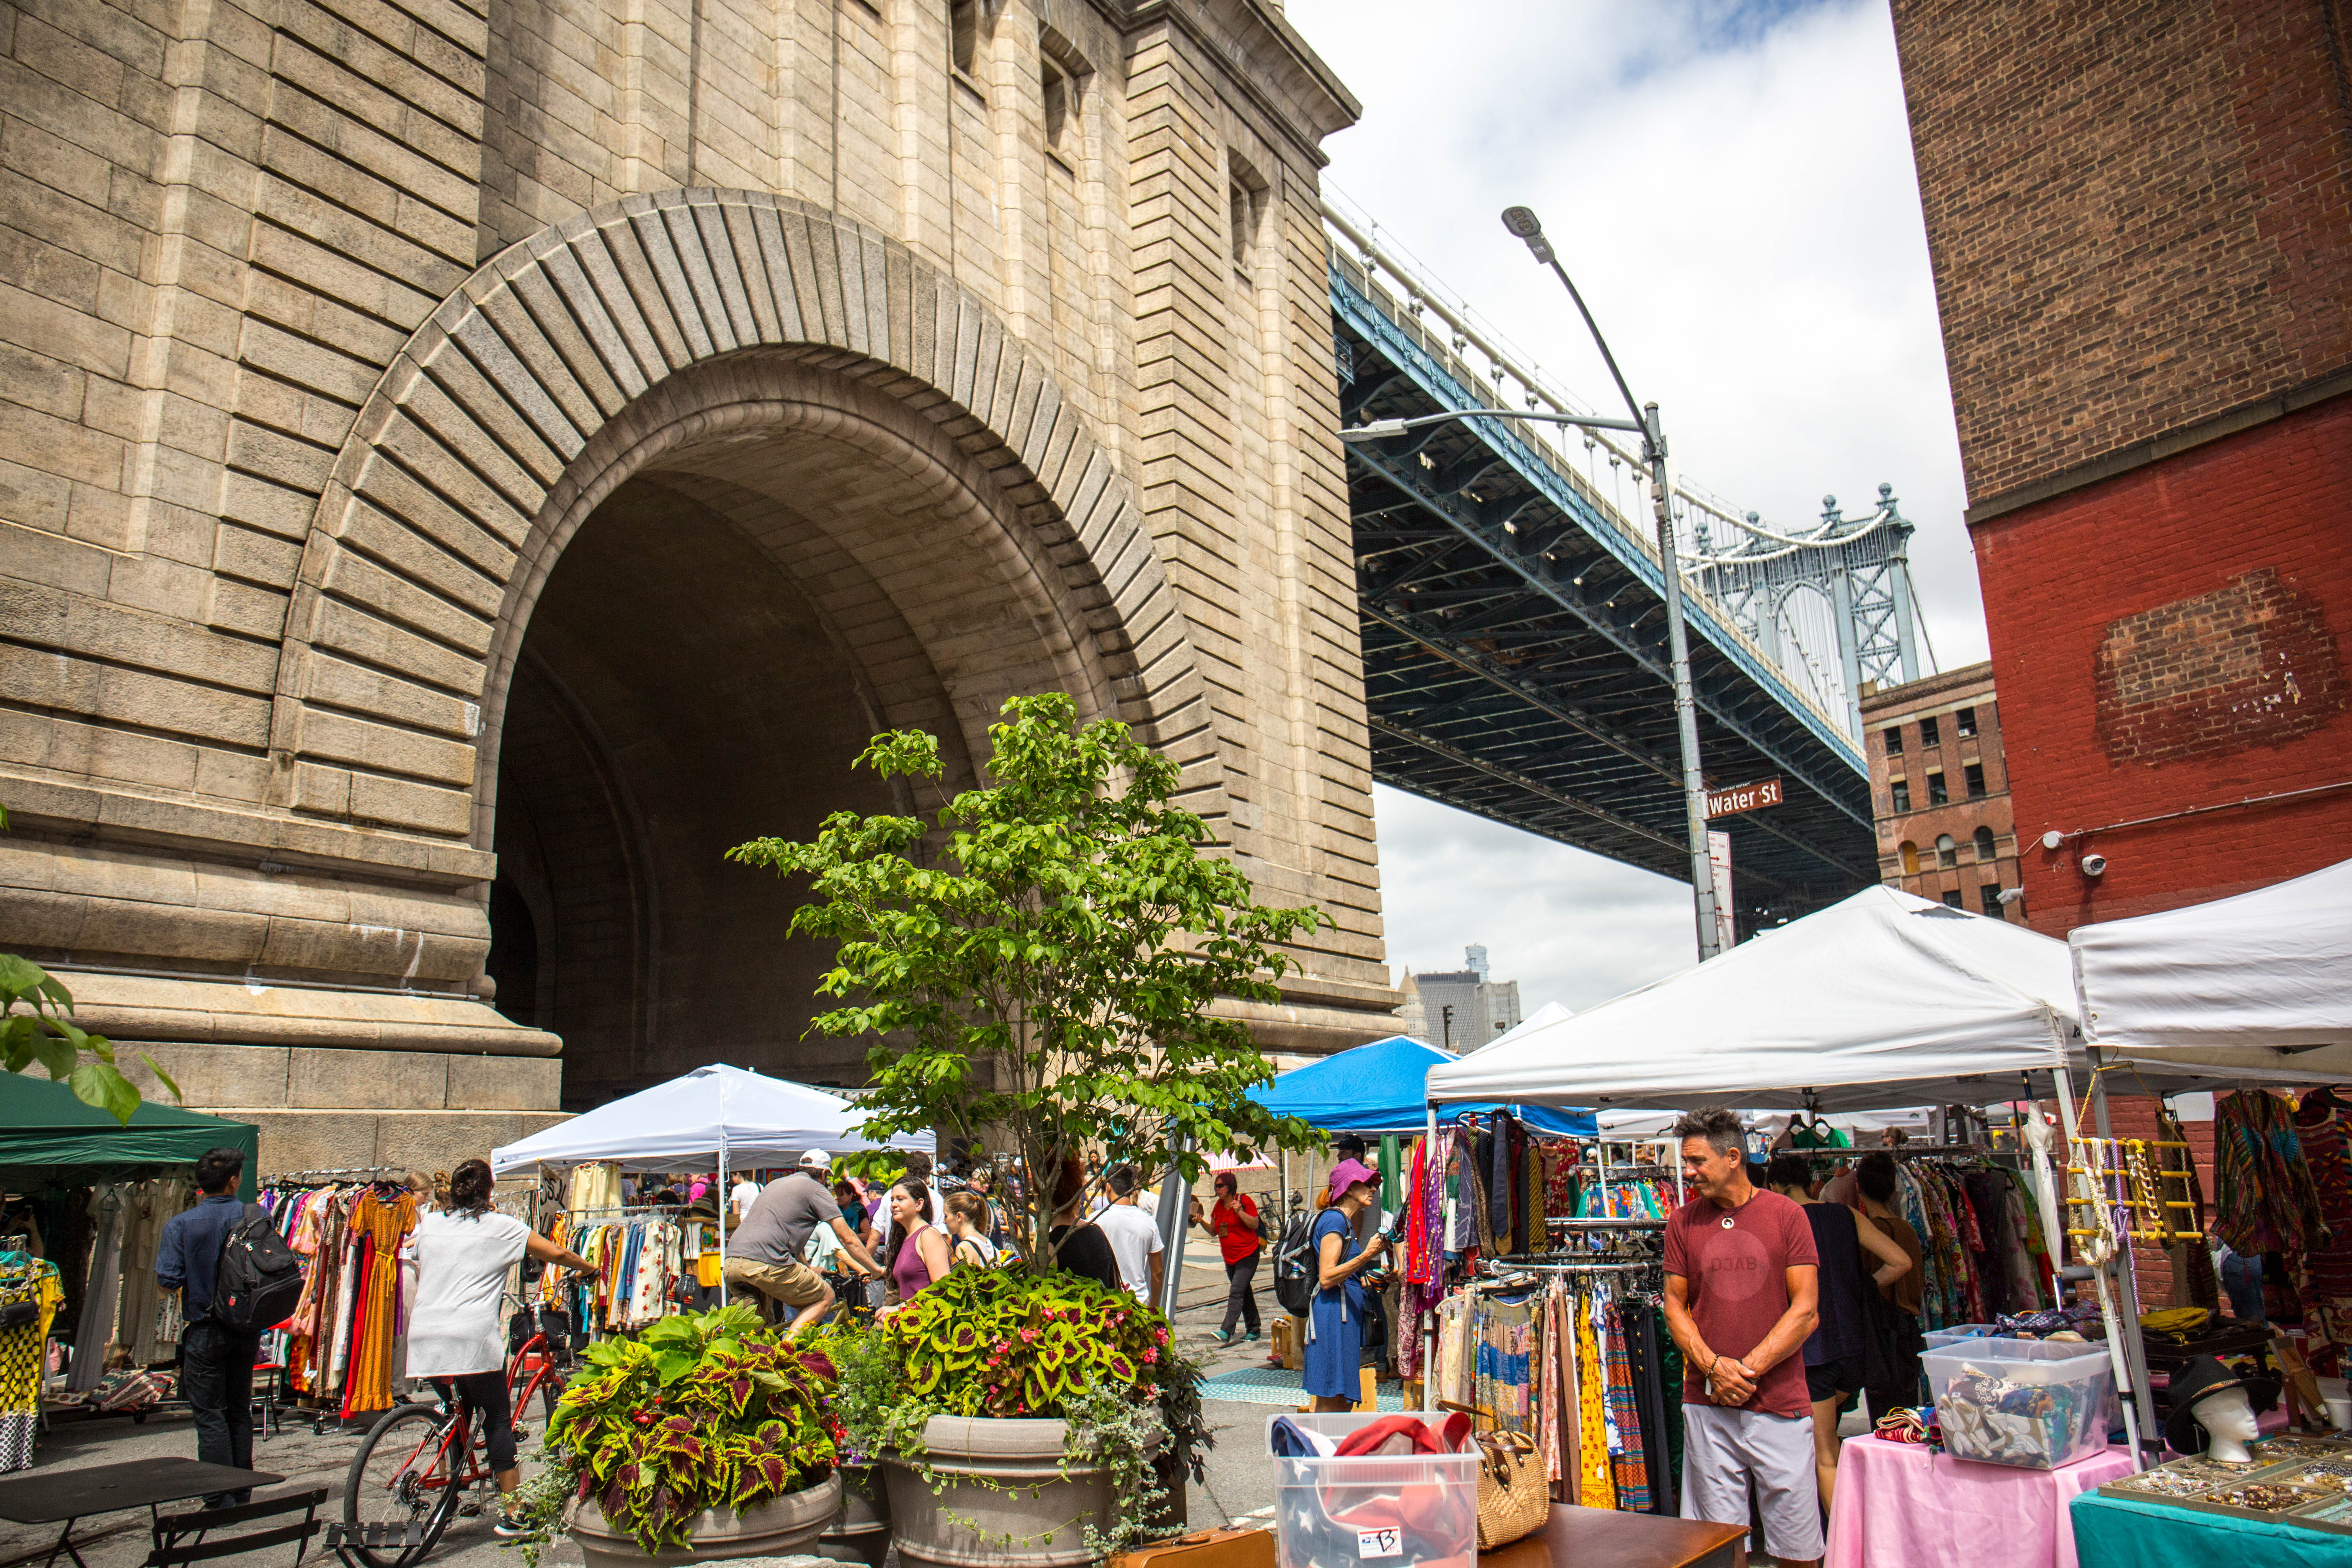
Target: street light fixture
pixel 1522 222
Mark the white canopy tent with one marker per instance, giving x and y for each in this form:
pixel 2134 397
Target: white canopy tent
pixel 716 1113
pixel 1879 1002
pixel 2262 981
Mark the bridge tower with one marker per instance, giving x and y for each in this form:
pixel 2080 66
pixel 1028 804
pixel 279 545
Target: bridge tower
pixel 470 462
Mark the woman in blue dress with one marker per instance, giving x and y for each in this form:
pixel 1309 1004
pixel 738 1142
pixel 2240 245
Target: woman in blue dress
pixel 1335 1323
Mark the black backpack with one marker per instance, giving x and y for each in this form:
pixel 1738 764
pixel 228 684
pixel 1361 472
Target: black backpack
pixel 1294 1267
pixel 258 1279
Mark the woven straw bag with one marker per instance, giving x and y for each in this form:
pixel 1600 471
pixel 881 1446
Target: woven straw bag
pixel 1513 1493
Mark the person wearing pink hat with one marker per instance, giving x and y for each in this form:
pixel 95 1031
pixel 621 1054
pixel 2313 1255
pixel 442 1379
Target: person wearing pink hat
pixel 1334 1320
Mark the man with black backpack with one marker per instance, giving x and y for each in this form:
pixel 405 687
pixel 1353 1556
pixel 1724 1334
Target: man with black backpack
pixel 215 1357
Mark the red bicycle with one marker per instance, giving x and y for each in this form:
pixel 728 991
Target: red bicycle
pixel 419 1463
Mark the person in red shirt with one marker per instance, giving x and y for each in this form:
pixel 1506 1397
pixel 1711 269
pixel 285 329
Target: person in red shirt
pixel 1742 1293
pixel 1233 1222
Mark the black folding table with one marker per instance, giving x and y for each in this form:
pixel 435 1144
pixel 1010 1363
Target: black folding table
pixel 48 1496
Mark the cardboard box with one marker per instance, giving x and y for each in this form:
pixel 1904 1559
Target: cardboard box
pixel 1289 1345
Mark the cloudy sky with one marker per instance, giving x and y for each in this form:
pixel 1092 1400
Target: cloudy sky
pixel 1731 186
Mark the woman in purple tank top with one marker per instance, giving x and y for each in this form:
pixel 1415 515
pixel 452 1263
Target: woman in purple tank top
pixel 918 1253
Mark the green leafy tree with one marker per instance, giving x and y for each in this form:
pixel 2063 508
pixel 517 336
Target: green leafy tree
pixel 36 1026
pixel 1043 968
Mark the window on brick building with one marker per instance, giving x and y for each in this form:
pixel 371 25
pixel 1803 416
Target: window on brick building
pixel 1900 789
pixel 1893 737
pixel 963 33
pixel 1930 735
pixel 1990 893
pixel 1974 773
pixel 1985 851
pixel 1910 858
pixel 1947 851
pixel 1964 722
pixel 1936 793
pixel 1952 898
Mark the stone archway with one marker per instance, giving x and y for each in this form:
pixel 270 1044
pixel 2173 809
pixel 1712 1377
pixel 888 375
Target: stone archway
pixel 710 482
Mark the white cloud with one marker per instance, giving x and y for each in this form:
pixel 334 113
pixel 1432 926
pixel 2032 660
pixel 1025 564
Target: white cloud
pixel 1731 186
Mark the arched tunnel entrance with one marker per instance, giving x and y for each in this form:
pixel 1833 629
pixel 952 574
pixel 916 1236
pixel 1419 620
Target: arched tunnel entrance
pixel 773 580
pixel 675 696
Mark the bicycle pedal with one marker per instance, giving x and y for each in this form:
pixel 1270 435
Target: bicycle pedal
pixel 469 1510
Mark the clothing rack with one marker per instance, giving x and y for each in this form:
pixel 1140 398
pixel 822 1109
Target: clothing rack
pixel 1607 1224
pixel 313 1178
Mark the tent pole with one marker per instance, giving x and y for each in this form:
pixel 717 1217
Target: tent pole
pixel 724 1205
pixel 2127 1273
pixel 1437 1264
pixel 2116 1360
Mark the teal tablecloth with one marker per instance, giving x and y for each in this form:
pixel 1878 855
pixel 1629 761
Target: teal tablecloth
pixel 2115 1532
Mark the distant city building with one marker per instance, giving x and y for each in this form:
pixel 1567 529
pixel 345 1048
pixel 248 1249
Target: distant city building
pixel 1460 1009
pixel 1939 789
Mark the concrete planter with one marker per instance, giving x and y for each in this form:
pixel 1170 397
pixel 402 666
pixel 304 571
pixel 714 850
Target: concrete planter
pixel 779 1527
pixel 1005 1478
pixel 860 1530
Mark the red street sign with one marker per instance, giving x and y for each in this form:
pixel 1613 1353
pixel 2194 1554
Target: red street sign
pixel 1742 797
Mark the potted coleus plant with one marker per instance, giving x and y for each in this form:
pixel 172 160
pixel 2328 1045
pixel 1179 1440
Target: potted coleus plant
pixel 1016 1418
pixel 707 1437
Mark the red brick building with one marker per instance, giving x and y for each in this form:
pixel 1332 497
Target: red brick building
pixel 2140 220
pixel 1939 791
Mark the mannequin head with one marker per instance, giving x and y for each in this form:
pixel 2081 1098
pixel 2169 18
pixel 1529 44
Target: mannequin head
pixel 2228 1417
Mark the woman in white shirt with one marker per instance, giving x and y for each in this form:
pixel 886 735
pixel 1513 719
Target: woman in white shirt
pixel 461 1254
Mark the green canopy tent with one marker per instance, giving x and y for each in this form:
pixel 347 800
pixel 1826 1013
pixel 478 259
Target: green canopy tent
pixel 48 1134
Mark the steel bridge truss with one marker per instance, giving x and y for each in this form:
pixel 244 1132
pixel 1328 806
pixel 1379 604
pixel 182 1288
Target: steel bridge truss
pixel 1513 639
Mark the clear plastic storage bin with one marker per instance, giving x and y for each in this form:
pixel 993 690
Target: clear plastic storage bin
pixel 1938 1338
pixel 2029 1403
pixel 1380 1512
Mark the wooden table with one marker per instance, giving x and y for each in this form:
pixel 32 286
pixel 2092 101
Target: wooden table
pixel 49 1496
pixel 1603 1538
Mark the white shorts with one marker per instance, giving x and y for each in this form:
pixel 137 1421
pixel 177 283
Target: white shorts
pixel 1725 1451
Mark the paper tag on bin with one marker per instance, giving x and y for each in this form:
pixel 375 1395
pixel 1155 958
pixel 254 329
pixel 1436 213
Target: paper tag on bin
pixel 1379 1544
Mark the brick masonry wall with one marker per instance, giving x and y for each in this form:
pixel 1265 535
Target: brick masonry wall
pixel 2176 636
pixel 2138 212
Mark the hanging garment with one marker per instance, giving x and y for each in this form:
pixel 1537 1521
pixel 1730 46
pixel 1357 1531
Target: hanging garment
pixel 1640 1336
pixel 2264 1196
pixel 2323 1127
pixel 1594 1487
pixel 1628 1466
pixel 108 1209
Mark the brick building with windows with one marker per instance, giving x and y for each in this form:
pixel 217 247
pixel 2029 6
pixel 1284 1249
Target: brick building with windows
pixel 2142 260
pixel 1939 791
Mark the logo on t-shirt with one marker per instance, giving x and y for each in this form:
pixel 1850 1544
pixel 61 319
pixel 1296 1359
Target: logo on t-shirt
pixel 1736 1267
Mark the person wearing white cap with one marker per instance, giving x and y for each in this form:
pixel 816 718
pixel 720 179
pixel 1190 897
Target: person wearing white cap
pixel 765 1252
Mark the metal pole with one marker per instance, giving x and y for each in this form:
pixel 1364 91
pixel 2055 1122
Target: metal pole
pixel 1175 1229
pixel 1522 222
pixel 1654 448
pixel 2126 1269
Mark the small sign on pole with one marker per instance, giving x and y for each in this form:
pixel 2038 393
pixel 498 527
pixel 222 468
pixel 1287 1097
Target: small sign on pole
pixel 1718 856
pixel 1743 797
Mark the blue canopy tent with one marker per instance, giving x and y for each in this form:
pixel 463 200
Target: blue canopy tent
pixel 1382 1087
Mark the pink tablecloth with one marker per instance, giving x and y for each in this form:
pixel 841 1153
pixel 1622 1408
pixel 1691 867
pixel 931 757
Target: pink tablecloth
pixel 1899 1506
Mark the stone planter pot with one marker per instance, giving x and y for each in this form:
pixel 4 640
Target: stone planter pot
pixel 860 1530
pixel 1005 1478
pixel 779 1527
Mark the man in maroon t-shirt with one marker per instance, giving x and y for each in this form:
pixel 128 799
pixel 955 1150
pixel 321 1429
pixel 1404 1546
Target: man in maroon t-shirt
pixel 1740 1298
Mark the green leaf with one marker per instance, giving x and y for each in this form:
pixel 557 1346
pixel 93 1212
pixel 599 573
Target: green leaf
pixel 162 1077
pixel 56 1053
pixel 99 1086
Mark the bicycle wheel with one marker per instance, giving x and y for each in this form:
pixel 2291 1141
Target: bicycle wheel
pixel 401 1488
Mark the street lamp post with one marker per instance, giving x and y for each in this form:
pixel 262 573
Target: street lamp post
pixel 1522 222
